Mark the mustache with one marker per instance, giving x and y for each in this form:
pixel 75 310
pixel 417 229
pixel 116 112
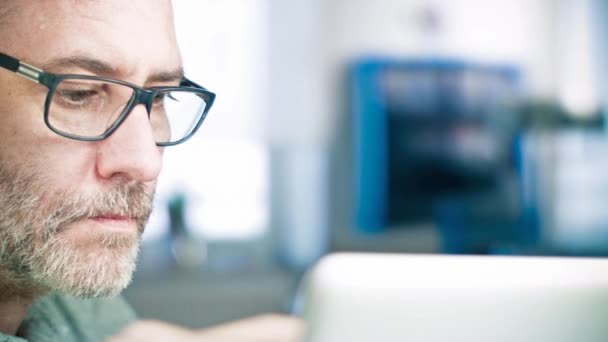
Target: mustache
pixel 131 201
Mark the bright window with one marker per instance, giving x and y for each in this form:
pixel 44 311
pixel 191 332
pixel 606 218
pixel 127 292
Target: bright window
pixel 223 171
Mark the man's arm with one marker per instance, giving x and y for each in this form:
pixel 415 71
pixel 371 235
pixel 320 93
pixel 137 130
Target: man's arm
pixel 266 328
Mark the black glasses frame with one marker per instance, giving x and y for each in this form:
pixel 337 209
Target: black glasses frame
pixel 141 96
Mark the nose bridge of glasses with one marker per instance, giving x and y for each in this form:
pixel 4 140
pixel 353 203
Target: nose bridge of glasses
pixel 145 97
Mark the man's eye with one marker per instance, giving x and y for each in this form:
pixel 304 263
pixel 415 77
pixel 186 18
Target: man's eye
pixel 159 98
pixel 76 96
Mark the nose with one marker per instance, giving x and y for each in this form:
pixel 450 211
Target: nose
pixel 130 152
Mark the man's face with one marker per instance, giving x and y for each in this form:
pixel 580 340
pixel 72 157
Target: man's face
pixel 72 212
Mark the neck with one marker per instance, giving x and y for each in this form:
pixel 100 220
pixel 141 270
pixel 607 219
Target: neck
pixel 12 313
pixel 16 298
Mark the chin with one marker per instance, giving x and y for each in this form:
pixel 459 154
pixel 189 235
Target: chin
pixel 100 266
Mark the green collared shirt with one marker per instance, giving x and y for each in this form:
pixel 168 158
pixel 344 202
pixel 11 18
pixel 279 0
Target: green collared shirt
pixel 67 319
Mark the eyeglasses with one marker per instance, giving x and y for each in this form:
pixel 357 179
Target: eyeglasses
pixel 91 108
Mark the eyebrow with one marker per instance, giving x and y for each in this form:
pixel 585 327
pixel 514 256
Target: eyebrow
pixel 99 67
pixel 87 63
pixel 167 76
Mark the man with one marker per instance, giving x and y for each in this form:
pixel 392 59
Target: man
pixel 91 92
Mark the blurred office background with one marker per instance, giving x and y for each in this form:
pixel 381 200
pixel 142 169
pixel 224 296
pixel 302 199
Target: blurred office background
pixel 423 126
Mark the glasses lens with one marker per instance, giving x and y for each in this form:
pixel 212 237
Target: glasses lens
pixel 175 114
pixel 87 108
pixel 90 108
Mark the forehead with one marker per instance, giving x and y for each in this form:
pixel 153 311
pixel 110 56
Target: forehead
pixel 136 36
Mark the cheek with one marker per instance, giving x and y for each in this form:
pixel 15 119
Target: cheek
pixel 62 164
pixel 22 128
pixel 26 140
pixel 66 163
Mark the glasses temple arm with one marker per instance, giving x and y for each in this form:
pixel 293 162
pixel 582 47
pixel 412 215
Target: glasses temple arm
pixel 188 83
pixel 20 68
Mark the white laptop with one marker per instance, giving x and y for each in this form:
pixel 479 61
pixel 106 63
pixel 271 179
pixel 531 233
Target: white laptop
pixel 439 298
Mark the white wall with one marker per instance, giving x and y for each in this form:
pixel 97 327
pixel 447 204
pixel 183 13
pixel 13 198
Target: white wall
pixel 299 111
pixel 497 31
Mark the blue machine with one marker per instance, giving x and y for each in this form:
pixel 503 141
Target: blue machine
pixel 432 140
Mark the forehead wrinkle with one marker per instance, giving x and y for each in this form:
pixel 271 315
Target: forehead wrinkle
pixel 90 64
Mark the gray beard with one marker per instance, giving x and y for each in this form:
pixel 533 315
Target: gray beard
pixel 36 257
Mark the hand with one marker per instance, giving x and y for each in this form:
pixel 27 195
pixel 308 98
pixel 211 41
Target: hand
pixel 266 328
pixel 152 330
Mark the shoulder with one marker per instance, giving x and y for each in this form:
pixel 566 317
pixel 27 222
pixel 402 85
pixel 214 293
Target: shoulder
pixel 7 338
pixel 58 317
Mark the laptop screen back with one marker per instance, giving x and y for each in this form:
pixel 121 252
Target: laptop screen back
pixel 432 298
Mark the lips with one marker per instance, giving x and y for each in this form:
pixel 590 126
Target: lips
pixel 114 221
pixel 112 217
